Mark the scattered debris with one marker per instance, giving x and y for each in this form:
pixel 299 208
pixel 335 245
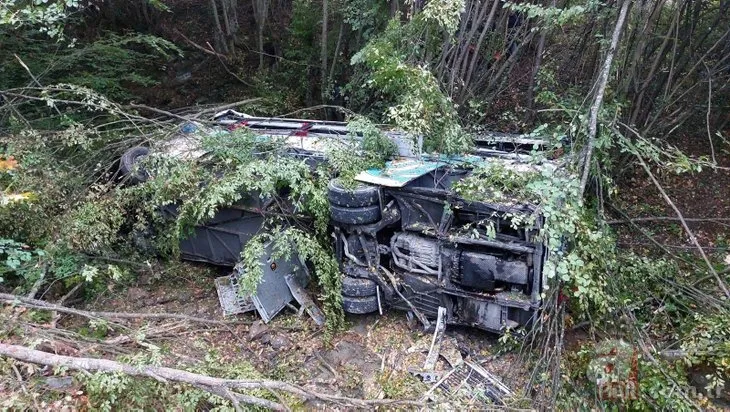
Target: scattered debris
pixel 450 352
pixel 231 302
pixel 467 381
pixel 305 301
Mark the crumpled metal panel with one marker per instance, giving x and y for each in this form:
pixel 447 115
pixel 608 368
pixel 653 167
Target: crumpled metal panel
pixel 273 293
pixel 470 382
pixel 305 301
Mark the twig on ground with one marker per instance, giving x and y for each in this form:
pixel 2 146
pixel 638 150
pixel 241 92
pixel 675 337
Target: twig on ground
pixel 326 365
pixel 61 301
pixel 40 304
pixel 24 388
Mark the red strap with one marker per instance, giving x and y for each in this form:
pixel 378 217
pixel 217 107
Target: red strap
pixel 236 126
pixel 304 130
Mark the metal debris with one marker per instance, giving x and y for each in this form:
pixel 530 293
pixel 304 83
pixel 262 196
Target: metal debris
pixel 305 301
pixel 470 383
pixel 283 281
pixel 231 302
pixel 429 374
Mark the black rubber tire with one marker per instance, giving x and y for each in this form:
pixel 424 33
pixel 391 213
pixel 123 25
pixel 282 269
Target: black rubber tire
pixel 355 215
pixel 358 287
pixel 360 306
pixel 359 196
pixel 128 164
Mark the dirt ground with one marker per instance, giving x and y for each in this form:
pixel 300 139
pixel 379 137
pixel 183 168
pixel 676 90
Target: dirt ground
pixel 371 359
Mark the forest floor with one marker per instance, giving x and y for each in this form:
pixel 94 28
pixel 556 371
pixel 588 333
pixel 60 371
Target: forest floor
pixel 371 359
pixel 703 198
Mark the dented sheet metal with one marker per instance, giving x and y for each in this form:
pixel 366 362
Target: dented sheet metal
pixel 283 281
pixel 302 297
pixel 231 301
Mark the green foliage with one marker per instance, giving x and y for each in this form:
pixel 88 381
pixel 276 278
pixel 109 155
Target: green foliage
pixel 419 107
pixel 611 375
pixel 47 15
pixel 399 384
pixel 494 182
pixel 264 177
pixel 446 14
pixel 366 16
pixel 663 386
pixel 707 343
pixel 347 159
pixel 112 63
pixel 112 391
pixel 108 65
pixel 20 260
pixel 94 225
pixel 288 241
pixel 551 16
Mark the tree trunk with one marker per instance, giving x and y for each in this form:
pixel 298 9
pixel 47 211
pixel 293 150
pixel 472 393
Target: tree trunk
pixel 260 14
pixel 219 35
pixel 598 99
pixel 535 71
pixel 323 40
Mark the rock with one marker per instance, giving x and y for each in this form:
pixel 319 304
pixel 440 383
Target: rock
pixel 280 342
pixel 137 294
pixel 259 330
pixel 58 382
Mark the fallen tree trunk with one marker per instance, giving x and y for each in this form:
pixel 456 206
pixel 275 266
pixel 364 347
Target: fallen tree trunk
pixel 218 386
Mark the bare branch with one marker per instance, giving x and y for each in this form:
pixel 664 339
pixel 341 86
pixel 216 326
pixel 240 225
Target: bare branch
pixel 218 385
pixel 40 304
pixel 666 218
pixel 691 234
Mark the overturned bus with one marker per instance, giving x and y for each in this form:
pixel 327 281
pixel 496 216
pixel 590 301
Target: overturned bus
pixel 403 237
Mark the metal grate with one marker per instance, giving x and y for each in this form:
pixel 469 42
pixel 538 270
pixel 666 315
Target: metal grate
pixel 231 301
pixel 469 383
